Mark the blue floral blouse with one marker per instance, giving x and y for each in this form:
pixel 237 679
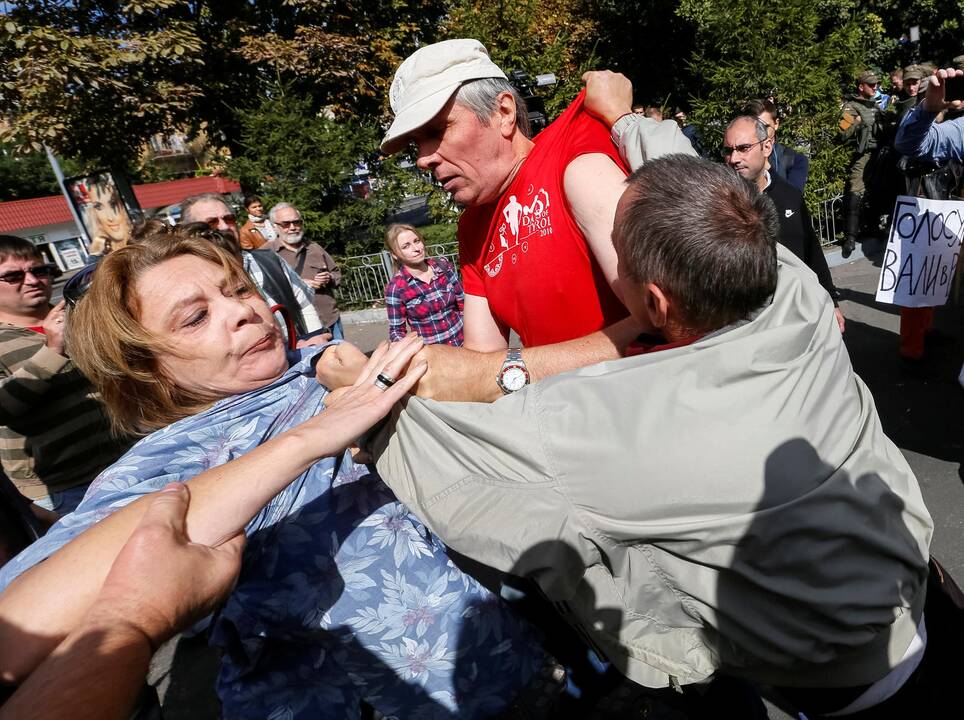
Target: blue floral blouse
pixel 344 596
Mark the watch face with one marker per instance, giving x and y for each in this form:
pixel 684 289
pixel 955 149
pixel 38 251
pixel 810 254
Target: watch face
pixel 514 378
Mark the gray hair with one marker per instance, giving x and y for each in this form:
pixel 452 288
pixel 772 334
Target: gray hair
pixel 273 212
pixel 703 235
pixel 482 97
pixel 760 127
pixel 187 205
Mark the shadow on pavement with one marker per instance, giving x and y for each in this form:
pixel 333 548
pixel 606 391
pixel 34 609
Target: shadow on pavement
pixel 921 414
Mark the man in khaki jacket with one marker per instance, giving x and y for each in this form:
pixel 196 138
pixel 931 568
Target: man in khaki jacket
pixel 723 499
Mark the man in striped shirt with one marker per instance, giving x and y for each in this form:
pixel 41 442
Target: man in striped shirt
pixel 54 434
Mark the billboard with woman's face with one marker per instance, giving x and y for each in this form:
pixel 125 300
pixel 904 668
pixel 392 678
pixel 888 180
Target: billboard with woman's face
pixel 106 207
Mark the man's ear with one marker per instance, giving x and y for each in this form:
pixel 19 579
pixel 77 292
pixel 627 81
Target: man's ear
pixel 768 148
pixel 505 114
pixel 658 306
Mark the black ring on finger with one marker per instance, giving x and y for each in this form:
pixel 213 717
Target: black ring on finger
pixel 384 381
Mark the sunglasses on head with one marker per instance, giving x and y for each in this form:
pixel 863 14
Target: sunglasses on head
pixel 16 277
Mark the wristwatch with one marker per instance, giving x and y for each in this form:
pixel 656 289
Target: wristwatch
pixel 513 375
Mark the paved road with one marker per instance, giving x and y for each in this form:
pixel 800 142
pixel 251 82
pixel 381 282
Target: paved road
pixel 923 416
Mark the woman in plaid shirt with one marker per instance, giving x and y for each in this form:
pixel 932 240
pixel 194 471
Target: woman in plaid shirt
pixel 425 293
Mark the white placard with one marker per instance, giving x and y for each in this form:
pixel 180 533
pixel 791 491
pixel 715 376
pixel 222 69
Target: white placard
pixel 922 252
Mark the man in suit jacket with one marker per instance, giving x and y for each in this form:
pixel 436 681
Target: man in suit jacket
pixel 747 146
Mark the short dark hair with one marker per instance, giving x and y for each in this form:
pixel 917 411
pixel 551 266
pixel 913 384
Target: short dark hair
pixel 248 199
pixel 758 106
pixel 12 246
pixel 704 235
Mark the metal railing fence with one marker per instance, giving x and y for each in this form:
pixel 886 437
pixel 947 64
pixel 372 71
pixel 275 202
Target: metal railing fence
pixel 364 277
pixel 828 217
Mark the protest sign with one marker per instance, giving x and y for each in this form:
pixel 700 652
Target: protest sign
pixel 922 252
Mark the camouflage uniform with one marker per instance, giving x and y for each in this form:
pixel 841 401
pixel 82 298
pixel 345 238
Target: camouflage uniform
pixel 861 126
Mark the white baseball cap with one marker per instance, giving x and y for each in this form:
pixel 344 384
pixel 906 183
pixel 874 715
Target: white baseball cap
pixel 426 80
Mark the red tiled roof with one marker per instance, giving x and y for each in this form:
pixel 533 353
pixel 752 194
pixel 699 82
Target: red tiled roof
pixel 53 210
pixel 25 214
pixel 161 194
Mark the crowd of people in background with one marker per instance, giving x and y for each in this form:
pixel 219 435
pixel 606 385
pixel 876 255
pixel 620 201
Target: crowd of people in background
pixel 589 525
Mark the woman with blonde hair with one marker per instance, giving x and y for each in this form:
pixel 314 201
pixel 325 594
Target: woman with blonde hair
pixel 425 293
pixel 345 600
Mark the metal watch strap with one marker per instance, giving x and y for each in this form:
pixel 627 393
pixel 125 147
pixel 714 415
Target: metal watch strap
pixel 513 356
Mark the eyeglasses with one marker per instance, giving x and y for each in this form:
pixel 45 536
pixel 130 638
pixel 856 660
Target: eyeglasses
pixel 727 150
pixel 288 223
pixel 75 288
pixel 229 219
pixel 16 277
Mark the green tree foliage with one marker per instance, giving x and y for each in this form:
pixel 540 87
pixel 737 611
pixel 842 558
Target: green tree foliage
pixel 342 53
pixel 29 176
pixel 650 43
pixel 94 79
pixel 941 24
pixel 537 36
pixel 799 52
pixel 293 153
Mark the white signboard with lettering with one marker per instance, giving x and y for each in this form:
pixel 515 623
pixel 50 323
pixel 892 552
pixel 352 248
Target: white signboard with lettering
pixel 922 252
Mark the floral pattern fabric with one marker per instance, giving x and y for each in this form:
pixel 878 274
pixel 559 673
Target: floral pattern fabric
pixel 344 596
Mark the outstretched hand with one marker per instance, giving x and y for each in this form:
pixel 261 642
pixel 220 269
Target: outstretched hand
pixel 353 410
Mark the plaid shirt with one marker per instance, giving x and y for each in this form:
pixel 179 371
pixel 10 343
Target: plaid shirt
pixel 433 309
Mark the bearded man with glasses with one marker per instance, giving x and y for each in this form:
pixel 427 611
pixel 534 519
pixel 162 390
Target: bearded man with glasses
pixel 54 437
pixel 310 261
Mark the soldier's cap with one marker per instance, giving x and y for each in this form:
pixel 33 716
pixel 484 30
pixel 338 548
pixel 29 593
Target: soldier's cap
pixel 867 76
pixel 426 80
pixel 913 72
pixel 958 62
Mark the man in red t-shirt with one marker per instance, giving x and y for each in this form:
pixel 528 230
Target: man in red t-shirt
pixel 535 239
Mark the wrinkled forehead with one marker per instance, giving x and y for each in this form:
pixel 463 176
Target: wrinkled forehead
pixel 204 209
pixel 167 285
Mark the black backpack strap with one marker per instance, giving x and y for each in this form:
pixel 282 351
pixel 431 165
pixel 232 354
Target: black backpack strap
pixel 278 286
